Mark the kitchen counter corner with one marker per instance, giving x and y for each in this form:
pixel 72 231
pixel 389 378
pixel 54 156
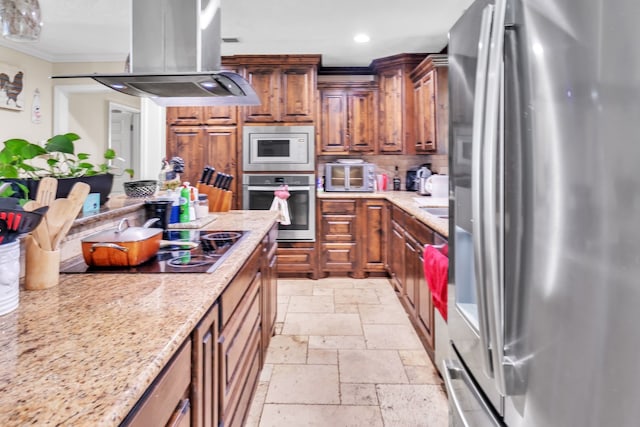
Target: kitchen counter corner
pixel 85 351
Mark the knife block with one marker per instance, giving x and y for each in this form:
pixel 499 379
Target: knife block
pixel 219 199
pixel 222 201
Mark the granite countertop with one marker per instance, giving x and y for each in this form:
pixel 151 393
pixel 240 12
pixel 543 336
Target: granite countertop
pixel 83 352
pixel 408 201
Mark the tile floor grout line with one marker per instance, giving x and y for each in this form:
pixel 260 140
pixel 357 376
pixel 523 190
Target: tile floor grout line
pixel 387 412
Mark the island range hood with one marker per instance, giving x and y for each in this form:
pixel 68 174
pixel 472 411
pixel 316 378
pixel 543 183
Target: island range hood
pixel 175 57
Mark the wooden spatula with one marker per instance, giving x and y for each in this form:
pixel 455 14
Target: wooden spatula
pixel 47 191
pixel 77 196
pixel 41 232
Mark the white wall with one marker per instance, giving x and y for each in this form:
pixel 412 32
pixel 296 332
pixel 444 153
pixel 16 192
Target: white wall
pixel 89 118
pixel 86 109
pixel 17 124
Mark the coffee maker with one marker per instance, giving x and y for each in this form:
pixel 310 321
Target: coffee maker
pixel 412 174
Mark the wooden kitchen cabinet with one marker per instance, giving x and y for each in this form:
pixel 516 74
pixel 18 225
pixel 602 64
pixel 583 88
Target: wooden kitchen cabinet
pixel 206 376
pixel 200 146
pixel 167 401
pixel 373 230
pixel 396 128
pixel 396 252
pixel 419 235
pixel 412 271
pixel 223 115
pixel 408 237
pixel 353 236
pixel 348 113
pixel 285 84
pixel 240 341
pixel 296 258
pixel 194 116
pixel 211 379
pixel 338 247
pixel 269 288
pixel 431 104
pixel 424 320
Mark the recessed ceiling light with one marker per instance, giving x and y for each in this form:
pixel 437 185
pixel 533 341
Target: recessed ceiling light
pixel 361 38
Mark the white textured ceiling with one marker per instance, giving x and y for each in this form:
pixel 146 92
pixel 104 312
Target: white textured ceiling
pixel 99 30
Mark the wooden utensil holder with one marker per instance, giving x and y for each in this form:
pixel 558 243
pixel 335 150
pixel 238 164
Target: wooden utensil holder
pixel 219 199
pixel 42 267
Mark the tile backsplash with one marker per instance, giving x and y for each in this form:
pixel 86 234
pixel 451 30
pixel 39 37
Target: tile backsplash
pixel 387 163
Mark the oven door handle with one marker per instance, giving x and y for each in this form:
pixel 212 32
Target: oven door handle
pixel 274 188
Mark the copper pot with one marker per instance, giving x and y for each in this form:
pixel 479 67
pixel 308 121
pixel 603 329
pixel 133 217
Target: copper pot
pixel 123 246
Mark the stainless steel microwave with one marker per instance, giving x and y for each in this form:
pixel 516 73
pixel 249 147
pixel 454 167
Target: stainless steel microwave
pixel 350 177
pixel 278 149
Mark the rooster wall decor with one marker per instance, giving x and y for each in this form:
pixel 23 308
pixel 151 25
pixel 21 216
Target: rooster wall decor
pixel 11 85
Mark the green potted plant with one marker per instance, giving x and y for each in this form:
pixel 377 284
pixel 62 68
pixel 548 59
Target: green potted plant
pixel 24 162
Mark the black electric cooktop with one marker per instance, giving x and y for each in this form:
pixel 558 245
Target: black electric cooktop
pixel 213 247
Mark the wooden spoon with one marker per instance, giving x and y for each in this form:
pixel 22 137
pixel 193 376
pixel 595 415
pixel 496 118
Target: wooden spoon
pixel 41 232
pixel 47 190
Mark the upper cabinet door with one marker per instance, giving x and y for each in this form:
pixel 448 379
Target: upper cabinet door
pixel 362 119
pixel 286 85
pixel 265 80
pixel 194 116
pixel 333 122
pixel 298 88
pixel 396 106
pixel 431 100
pixel 391 111
pixel 348 117
pixel 184 116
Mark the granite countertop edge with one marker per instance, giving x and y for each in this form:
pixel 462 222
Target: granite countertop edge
pixel 122 334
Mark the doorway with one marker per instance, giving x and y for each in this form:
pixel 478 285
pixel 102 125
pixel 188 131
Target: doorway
pixel 124 138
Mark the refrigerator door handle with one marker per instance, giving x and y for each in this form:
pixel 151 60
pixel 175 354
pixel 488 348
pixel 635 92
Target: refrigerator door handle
pixel 475 405
pixel 491 196
pixel 477 195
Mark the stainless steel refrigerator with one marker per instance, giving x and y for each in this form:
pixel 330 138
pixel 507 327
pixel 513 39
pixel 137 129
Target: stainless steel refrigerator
pixel 544 294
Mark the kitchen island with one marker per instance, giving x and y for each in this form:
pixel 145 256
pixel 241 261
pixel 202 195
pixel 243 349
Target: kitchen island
pixel 85 351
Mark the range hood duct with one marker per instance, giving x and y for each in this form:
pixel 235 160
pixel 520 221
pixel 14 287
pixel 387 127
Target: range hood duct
pixel 175 57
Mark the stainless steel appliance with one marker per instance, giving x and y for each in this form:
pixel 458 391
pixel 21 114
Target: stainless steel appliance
pixel 278 149
pixel 177 67
pixel 411 181
pixel 258 194
pixel 544 295
pixel 350 177
pixel 184 256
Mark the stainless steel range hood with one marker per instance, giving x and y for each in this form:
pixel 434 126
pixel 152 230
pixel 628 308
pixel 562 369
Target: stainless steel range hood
pixel 175 57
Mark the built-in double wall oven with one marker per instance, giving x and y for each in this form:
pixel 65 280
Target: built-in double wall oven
pixel 274 156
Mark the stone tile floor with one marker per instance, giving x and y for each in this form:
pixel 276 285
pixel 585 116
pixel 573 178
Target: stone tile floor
pixel 345 354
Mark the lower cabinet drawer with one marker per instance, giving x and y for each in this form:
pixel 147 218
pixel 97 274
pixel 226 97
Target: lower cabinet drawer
pixel 295 257
pixel 167 400
pixel 239 345
pixel 338 256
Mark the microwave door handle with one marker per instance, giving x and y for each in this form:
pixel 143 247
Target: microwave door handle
pixel 477 188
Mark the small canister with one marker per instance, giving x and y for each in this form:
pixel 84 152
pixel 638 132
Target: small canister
pixel 202 207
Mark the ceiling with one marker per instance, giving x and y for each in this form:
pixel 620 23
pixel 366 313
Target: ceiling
pixel 98 30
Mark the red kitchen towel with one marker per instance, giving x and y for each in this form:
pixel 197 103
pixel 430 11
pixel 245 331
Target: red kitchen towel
pixel 436 273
